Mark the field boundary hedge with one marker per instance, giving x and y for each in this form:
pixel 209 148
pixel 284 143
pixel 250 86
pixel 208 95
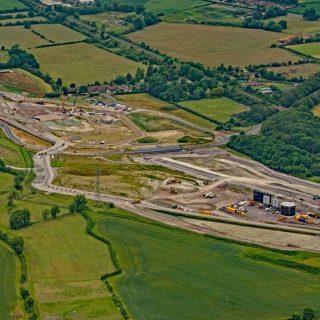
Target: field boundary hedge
pixel 58 44
pixel 118 270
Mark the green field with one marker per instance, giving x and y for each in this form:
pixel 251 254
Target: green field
pixel 10 36
pixel 308 4
pixel 301 70
pixel 65 267
pixel 213 45
pixel 297 25
pixel 12 154
pixel 310 49
pixel 14 20
pixel 145 101
pixel 185 276
pixel 205 14
pixel 8 281
pixel 169 6
pixel 82 63
pixel 58 33
pixel 3 56
pixel 220 109
pixel 11 4
pixel 22 81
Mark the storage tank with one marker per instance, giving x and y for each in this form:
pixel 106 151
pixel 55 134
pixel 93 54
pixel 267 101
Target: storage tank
pixel 276 202
pixel 257 196
pixel 266 199
pixel 288 209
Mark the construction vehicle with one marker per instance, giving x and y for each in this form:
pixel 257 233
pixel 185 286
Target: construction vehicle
pixel 230 210
pixel 210 195
pixel 314 215
pixel 206 212
pixel 173 190
pixel 316 197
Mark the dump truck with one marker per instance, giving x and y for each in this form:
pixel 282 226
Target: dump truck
pixel 231 210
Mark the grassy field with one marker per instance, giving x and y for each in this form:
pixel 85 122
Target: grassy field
pixel 297 25
pixel 169 7
pixel 12 154
pixel 58 33
pixel 14 20
pixel 186 276
pixel 145 101
pixel 10 36
pixel 124 179
pixel 306 5
pixel 8 281
pixel 3 56
pixel 82 63
pixel 310 49
pixel 204 14
pixel 11 4
pixel 22 81
pixel 220 109
pixel 66 266
pixel 213 45
pixel 301 70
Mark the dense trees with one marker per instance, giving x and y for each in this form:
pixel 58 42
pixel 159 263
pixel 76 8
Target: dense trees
pixel 310 14
pixel 19 219
pixel 79 204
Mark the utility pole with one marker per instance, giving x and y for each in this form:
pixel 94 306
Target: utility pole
pixel 98 172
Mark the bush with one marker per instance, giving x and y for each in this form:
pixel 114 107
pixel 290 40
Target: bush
pixel 148 140
pixel 19 219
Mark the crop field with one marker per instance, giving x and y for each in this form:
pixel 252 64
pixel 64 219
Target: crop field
pixel 12 154
pixel 220 109
pixel 145 101
pixel 297 25
pixel 22 81
pixel 186 276
pixel 10 36
pixel 169 7
pixel 11 4
pixel 14 20
pixel 82 63
pixel 301 70
pixel 310 49
pixel 121 179
pixel 8 280
pixel 58 33
pixel 66 266
pixel 213 45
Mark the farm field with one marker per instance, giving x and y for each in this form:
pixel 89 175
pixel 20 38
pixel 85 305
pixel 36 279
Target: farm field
pixel 14 20
pixel 65 268
pixel 82 63
pixel 301 70
pixel 3 56
pixel 145 101
pixel 213 45
pixel 310 49
pixel 58 33
pixel 126 179
pixel 12 154
pixel 168 6
pixel 297 25
pixel 204 14
pixel 10 36
pixel 220 109
pixel 11 4
pixel 19 80
pixel 8 280
pixel 184 275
